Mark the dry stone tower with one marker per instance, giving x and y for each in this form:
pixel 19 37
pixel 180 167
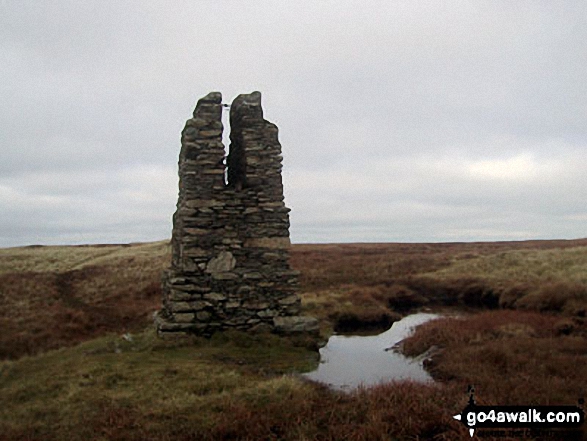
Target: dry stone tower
pixel 230 240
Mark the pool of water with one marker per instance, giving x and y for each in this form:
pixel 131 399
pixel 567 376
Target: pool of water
pixel 348 361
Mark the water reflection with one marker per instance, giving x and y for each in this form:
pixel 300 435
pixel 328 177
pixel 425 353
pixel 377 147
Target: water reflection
pixel 349 361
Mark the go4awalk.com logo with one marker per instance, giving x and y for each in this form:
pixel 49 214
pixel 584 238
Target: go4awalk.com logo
pixel 518 417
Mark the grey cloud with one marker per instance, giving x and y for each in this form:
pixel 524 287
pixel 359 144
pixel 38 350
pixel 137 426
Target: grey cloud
pixel 396 118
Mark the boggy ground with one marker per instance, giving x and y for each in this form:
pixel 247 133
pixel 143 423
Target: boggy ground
pixel 82 361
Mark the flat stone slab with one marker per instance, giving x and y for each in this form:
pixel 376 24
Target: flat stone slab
pixel 297 324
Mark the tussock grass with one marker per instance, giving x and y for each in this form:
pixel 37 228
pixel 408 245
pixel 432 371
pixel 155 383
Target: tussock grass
pixel 73 376
pixel 331 265
pixel 234 387
pixel 40 259
pixel 349 308
pixel 541 280
pixel 118 389
pixel 531 275
pixel 55 296
pixel 512 357
pixel 524 266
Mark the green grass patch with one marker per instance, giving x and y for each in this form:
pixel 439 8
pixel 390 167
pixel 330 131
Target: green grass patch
pixel 161 386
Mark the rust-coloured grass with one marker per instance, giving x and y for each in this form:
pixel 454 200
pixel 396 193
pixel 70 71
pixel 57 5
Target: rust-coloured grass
pixel 66 308
pixel 57 296
pixel 518 357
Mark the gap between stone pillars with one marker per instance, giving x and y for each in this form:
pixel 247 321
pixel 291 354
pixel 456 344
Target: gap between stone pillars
pixel 225 119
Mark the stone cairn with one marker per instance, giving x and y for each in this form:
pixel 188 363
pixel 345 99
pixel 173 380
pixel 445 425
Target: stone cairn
pixel 230 242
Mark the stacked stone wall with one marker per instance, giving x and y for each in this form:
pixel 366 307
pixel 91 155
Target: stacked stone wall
pixel 230 239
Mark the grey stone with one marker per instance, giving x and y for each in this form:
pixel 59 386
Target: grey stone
pixel 216 296
pixel 195 252
pixel 230 240
pixel 223 262
pixel 199 305
pixel 289 300
pixel 203 316
pixel 180 306
pixel 296 325
pixel 243 290
pixel 184 317
pixel 179 296
pixel 261 328
pixel 269 242
pixel 210 133
pixel 224 276
pixel 253 304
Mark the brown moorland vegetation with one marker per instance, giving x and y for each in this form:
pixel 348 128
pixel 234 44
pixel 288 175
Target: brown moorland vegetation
pixel 61 295
pixel 83 361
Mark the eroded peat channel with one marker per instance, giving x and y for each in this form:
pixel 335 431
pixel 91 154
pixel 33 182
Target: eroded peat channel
pixel 349 361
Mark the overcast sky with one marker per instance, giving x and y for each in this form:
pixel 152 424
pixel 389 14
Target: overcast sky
pixel 403 121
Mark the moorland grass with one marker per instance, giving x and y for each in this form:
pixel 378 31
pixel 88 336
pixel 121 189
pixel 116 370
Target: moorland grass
pixel 58 296
pixel 512 357
pixel 234 386
pixel 62 295
pixel 163 387
pixel 72 372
